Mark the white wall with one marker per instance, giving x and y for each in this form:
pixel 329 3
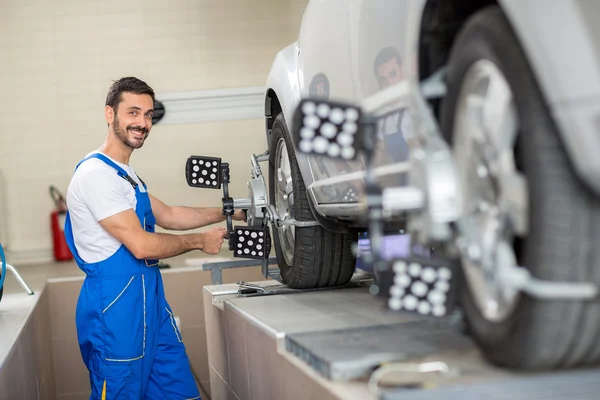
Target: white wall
pixel 59 58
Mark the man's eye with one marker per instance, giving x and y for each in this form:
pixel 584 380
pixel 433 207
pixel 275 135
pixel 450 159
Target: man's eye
pixel 133 113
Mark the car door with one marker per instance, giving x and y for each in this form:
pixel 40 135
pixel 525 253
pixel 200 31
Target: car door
pixel 351 51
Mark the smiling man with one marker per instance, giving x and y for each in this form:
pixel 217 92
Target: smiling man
pixel 126 330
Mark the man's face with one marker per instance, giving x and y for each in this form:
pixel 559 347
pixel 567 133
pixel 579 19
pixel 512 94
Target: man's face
pixel 133 119
pixel 389 73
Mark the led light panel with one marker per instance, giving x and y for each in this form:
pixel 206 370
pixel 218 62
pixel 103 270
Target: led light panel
pixel 203 172
pixel 421 286
pixel 327 128
pixel 251 242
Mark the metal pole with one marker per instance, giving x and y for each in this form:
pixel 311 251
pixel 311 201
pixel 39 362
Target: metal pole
pixel 19 279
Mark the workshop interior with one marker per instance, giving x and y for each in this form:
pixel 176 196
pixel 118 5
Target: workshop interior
pixel 418 180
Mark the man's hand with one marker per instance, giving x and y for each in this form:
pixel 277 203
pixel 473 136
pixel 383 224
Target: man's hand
pixel 212 240
pixel 239 215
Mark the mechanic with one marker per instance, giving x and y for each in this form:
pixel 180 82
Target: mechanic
pixel 127 335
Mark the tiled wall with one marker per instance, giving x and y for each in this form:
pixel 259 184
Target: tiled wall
pixel 58 60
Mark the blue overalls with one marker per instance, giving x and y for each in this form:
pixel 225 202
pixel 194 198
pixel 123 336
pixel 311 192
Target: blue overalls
pixel 126 331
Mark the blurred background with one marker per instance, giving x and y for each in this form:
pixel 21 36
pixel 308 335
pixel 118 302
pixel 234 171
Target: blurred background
pixel 59 59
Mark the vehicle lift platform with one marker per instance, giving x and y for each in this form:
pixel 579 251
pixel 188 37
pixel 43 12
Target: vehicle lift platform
pixel 266 341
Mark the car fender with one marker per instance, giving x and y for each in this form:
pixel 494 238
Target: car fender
pixel 563 50
pixel 284 81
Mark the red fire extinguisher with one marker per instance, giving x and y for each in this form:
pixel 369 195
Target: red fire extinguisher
pixel 57 226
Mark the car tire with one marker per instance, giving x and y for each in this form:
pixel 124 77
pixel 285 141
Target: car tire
pixel 321 258
pixel 563 216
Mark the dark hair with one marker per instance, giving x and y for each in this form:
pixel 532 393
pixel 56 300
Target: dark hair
pixel 385 55
pixel 128 84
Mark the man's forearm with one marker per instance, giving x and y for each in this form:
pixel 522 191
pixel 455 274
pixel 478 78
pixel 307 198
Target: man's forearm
pixel 162 245
pixel 184 218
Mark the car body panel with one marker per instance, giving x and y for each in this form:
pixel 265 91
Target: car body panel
pixel 566 37
pixel 334 58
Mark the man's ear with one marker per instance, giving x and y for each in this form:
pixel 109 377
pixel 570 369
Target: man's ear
pixel 109 114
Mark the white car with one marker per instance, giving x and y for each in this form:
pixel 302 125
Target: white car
pixel 491 109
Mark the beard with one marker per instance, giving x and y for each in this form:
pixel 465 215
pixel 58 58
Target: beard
pixel 123 134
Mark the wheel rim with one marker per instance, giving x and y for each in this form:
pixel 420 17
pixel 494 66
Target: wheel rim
pixel 284 200
pixel 495 191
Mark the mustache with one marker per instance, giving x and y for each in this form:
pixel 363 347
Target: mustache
pixel 140 129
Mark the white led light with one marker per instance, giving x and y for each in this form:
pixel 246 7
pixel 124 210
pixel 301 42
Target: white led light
pixel 246 251
pixel 436 297
pixel 320 144
pixel 424 308
pixel 350 127
pixel 312 122
pixel 351 114
pixel 239 232
pixel 260 253
pixel 246 233
pixel 214 183
pixel 410 302
pixel 438 311
pixel 309 107
pixel 348 152
pixel 240 246
pixel 253 253
pixel 428 274
pixel 194 175
pixel 336 116
pixel 260 234
pixel 328 130
pixel 444 273
pixel 306 146
pixel 253 235
pixel 212 176
pixel 396 291
pixel 345 139
pixel 334 150
pixel 402 280
pixel 201 180
pixel 201 162
pixel 399 267
pixel 250 242
pixel 239 252
pixel 323 110
pixel 419 289
pixel 258 247
pixel 443 286
pixel 414 269
pixel 208 164
pixel 215 170
pixel 194 161
pixel 196 168
pixel 204 172
pixel 395 304
pixel 241 238
pixel 194 181
pixel 260 240
pixel 307 133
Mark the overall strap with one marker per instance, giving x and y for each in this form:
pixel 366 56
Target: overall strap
pixel 120 171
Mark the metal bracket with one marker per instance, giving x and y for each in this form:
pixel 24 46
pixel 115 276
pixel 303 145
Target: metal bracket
pixel 520 279
pixel 301 224
pixel 277 222
pixel 216 268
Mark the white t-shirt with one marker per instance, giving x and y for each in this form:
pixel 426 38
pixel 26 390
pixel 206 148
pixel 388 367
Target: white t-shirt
pixel 97 192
